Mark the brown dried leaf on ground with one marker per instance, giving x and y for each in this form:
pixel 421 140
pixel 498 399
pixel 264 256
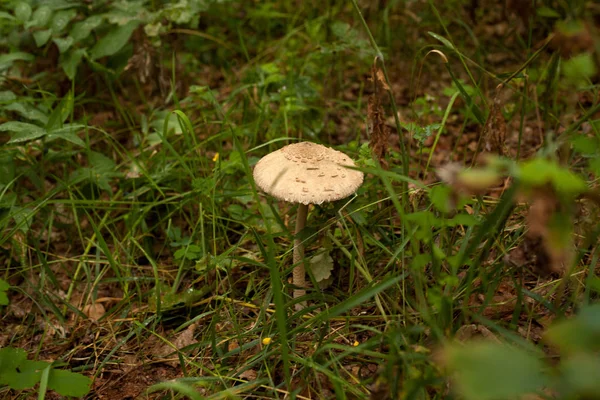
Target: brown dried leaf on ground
pixel 94 311
pixel 183 339
pixel 473 331
pixel 380 132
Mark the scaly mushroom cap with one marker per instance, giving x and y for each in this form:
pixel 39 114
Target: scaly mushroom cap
pixel 307 173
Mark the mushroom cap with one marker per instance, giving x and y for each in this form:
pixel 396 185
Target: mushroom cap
pixel 307 173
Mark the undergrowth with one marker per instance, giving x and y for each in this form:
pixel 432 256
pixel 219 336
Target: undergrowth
pixel 140 260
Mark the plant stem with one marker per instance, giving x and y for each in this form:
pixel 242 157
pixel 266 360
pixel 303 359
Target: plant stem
pixel 299 271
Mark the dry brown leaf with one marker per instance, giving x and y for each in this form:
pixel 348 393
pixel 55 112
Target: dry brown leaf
pixel 381 78
pixel 183 339
pixel 472 331
pixel 94 311
pixel 249 375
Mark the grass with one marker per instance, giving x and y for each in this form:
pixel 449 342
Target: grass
pixel 141 254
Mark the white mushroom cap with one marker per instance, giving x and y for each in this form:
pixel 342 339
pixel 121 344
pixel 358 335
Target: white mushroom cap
pixel 307 173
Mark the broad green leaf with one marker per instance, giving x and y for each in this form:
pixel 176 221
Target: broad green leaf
pixel 594 166
pixel 580 69
pixel 419 261
pixel 63 44
pixel 5 15
pixel 71 61
pixel 22 131
pixel 539 172
pixel 16 371
pixel 6 60
pixel 82 29
pixel 23 11
pixel 491 371
pixel 7 96
pixel 321 265
pixel 586 145
pixel 440 197
pixel 581 374
pixel 101 163
pixel 462 219
pixel 536 172
pixel 61 112
pixel 67 133
pixel 581 333
pixel 41 17
pixel 42 37
pixel 61 19
pixel 113 41
pixel 547 12
pixel 69 383
pixel 567 182
pixel 27 111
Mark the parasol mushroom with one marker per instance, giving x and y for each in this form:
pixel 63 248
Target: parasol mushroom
pixel 306 173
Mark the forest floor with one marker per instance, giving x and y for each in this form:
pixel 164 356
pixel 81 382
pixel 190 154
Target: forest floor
pixel 139 252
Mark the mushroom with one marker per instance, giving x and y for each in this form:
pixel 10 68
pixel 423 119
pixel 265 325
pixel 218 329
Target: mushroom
pixel 306 173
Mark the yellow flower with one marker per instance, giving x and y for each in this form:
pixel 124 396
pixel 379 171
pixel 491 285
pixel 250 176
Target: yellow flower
pixel 266 341
pixel 355 343
pixel 216 157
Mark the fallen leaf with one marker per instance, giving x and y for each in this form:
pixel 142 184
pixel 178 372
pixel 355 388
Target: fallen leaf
pixel 94 311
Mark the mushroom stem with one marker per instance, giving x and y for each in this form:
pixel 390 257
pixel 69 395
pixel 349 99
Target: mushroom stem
pixel 299 271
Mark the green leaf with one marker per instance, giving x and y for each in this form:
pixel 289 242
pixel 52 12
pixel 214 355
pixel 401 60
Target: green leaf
pixel 321 265
pixel 494 371
pixel 69 383
pixel 113 41
pixel 101 163
pixel 539 172
pixel 71 61
pixel 6 96
pixel 63 44
pixel 22 131
pixel 5 15
pixel 23 11
pixel 67 133
pixel 462 219
pixel 61 19
pixel 589 146
pixel 581 374
pixel 6 60
pixel 16 371
pixel 42 37
pixel 82 29
pixel 61 112
pixel 441 196
pixel 41 17
pixel 581 333
pixel 580 69
pixel 547 12
pixel 28 111
pixel 594 166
